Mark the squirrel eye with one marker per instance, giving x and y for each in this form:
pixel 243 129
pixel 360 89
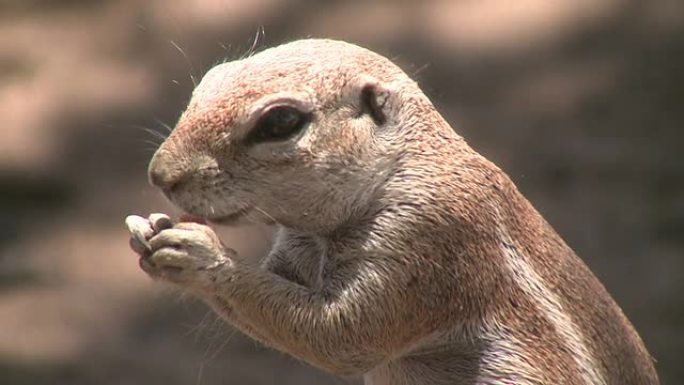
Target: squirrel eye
pixel 277 124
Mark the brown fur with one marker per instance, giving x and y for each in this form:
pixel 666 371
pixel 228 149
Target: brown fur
pixel 402 255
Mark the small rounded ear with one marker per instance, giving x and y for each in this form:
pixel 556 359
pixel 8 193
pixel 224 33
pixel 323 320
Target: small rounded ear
pixel 374 102
pixel 373 98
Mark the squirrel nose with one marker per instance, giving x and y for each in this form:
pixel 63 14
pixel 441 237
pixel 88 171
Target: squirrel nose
pixel 162 173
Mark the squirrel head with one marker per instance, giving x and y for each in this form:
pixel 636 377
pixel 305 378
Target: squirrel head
pixel 301 135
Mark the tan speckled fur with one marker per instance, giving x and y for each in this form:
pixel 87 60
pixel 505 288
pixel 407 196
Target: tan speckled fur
pixel 402 254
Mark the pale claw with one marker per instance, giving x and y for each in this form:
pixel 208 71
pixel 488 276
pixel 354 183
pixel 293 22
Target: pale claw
pixel 141 230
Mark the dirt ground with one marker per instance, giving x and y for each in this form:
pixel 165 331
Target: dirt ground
pixel 580 101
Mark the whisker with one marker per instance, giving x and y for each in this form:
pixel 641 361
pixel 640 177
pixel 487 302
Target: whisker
pixel 200 371
pixel 165 125
pixel 267 215
pixel 230 56
pixel 420 69
pixel 154 133
pixel 221 347
pixel 196 330
pixel 187 60
pixel 152 143
pixel 255 42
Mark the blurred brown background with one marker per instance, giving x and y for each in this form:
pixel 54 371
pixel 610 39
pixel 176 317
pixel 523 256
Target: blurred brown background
pixel 580 101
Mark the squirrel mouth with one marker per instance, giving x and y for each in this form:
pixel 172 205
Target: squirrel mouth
pixel 230 218
pixel 218 220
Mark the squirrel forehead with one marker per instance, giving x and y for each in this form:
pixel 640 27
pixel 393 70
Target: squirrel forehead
pixel 318 68
pixel 315 66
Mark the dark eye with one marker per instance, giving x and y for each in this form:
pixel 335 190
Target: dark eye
pixel 278 123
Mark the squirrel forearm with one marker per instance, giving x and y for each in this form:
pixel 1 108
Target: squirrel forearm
pixel 226 311
pixel 325 327
pixel 276 264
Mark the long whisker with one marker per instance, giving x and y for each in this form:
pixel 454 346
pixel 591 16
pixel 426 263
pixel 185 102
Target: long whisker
pixel 187 60
pixel 220 348
pixel 154 144
pixel 165 125
pixel 255 42
pixel 154 133
pixel 200 372
pixel 267 215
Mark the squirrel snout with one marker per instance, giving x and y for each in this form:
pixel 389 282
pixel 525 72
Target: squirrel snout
pixel 162 173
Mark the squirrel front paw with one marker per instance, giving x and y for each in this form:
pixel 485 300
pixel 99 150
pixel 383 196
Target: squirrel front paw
pixel 185 253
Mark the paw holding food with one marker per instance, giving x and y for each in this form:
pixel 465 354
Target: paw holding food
pixel 142 229
pixel 182 252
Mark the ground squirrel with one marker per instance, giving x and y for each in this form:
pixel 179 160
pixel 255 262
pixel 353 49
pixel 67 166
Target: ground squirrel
pixel 402 255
